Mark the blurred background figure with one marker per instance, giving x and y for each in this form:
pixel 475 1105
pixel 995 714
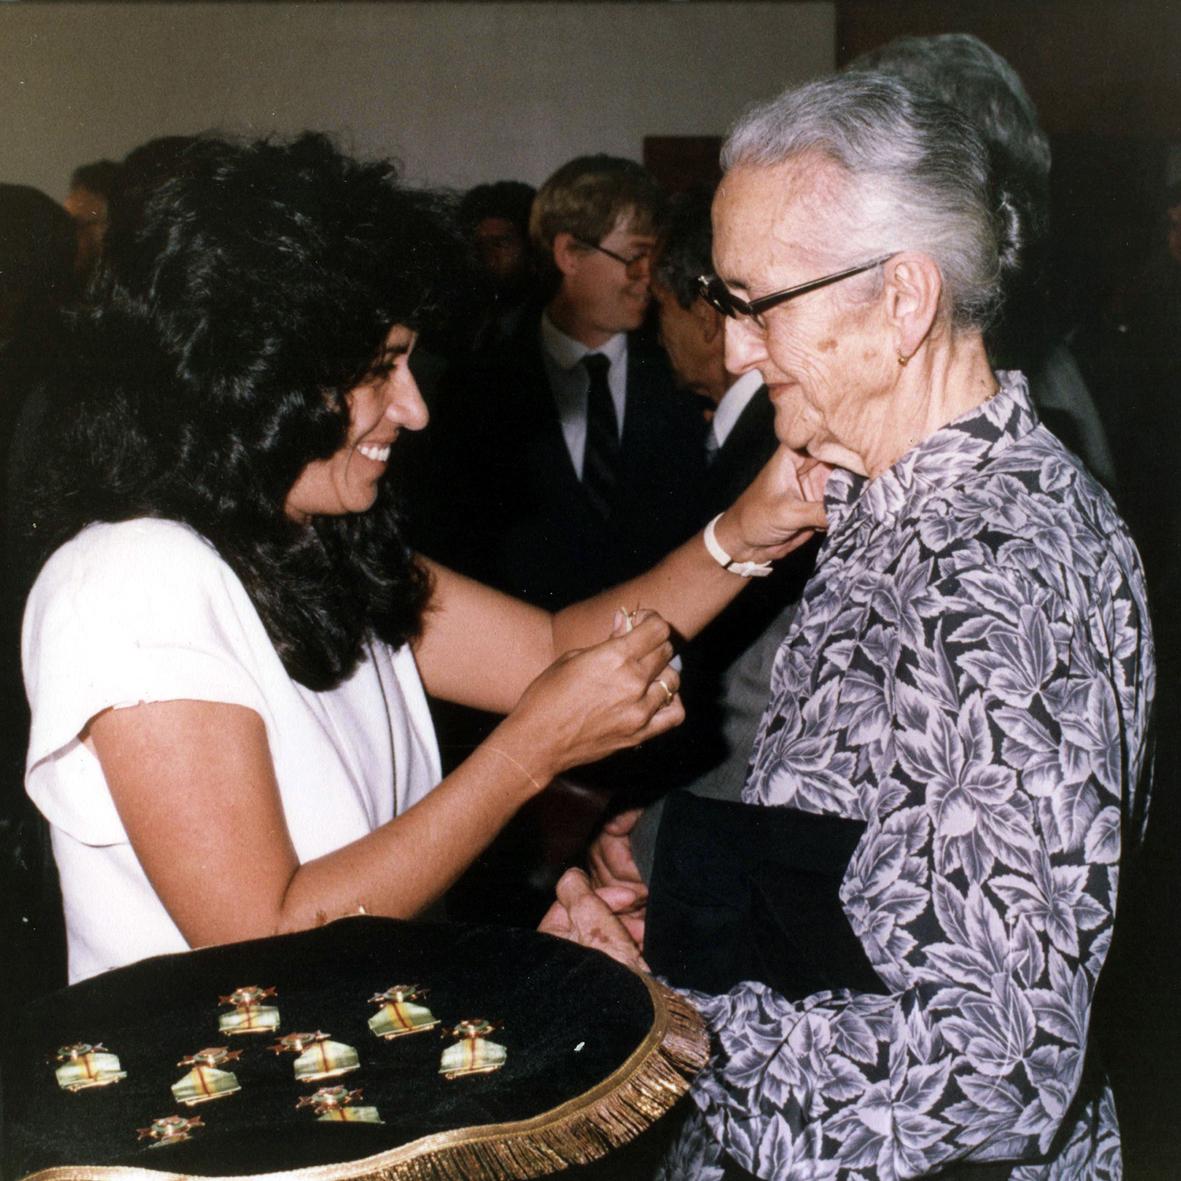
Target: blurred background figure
pixel 36 258
pixel 142 169
pixel 558 463
pixel 965 73
pixel 113 194
pixel 495 220
pixel 690 330
pixel 36 277
pixel 89 204
pixel 551 477
pixel 37 247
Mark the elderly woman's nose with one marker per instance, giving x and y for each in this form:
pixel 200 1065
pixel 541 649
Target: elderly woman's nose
pixel 745 347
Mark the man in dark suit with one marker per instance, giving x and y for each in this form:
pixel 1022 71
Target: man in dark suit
pixel 566 461
pixel 560 464
pixel 728 667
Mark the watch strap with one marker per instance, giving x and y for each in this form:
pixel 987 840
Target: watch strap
pixel 723 559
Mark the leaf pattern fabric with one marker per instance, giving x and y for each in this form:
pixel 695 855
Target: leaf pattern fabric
pixel 970 672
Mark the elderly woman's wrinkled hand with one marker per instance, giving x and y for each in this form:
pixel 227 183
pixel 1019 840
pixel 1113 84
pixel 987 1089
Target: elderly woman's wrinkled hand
pixel 612 867
pixel 600 919
pixel 610 855
pixel 780 511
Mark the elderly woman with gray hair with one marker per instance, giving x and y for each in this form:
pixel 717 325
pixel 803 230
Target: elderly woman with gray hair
pixel 957 716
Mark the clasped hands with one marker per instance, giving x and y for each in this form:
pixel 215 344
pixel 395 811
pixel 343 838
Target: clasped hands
pixel 605 908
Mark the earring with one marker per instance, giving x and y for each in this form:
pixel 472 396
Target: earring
pixel 902 360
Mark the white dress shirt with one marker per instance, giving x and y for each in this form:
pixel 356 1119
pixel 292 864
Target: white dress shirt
pixel 570 383
pixel 146 610
pixel 734 402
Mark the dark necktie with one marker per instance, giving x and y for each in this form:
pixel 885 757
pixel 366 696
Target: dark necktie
pixel 600 462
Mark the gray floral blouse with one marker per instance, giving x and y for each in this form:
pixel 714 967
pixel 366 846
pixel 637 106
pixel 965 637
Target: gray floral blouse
pixel 969 672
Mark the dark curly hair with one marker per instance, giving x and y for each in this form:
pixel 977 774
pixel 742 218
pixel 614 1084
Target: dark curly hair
pixel 508 199
pixel 252 291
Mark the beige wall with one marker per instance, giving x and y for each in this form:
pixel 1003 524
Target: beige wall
pixel 462 92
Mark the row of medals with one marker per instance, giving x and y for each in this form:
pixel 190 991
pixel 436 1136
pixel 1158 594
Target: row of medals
pixel 85 1065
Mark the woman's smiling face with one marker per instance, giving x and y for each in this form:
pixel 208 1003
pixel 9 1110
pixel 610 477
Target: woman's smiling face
pixel 380 407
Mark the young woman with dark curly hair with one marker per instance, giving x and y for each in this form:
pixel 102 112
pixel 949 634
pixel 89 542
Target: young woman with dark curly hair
pixel 223 647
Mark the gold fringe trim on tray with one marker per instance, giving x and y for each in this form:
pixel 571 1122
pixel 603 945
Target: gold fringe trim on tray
pixel 583 1129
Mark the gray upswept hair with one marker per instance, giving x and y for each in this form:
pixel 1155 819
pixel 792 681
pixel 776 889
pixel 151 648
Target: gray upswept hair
pixel 969 75
pixel 916 177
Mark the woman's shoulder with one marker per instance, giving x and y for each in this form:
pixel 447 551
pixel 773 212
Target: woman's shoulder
pixel 143 601
pixel 139 569
pixel 142 544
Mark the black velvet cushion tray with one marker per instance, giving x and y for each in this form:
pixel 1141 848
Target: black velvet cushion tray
pixel 595 1052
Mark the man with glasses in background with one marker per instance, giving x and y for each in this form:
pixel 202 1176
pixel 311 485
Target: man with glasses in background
pixel 582 463
pixel 563 462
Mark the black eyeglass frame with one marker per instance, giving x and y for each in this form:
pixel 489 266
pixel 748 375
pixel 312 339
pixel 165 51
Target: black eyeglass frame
pixel 628 263
pixel 720 297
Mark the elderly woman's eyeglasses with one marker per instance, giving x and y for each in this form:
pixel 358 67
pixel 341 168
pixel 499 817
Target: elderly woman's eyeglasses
pixel 628 263
pixel 719 296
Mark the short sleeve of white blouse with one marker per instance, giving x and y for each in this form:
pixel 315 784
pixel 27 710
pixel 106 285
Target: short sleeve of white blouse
pixel 144 611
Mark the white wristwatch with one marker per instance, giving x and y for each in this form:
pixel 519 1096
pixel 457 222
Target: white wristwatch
pixel 723 559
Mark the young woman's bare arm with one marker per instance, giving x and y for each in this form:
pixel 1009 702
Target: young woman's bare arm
pixel 481 648
pixel 195 787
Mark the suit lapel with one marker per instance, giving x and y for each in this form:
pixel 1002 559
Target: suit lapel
pixel 638 411
pixel 540 426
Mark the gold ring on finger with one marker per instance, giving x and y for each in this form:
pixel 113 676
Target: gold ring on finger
pixel 668 693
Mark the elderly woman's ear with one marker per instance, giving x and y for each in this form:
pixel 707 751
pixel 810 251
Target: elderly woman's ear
pixel 913 289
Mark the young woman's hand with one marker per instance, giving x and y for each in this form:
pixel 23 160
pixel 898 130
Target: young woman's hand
pixel 595 701
pixel 782 509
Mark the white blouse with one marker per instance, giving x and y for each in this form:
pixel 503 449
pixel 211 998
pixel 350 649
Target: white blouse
pixel 146 610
